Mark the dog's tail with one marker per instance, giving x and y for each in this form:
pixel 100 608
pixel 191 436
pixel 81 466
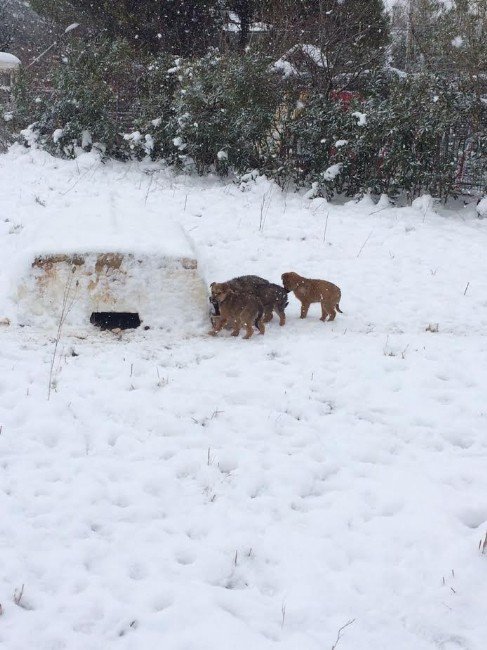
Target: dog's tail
pixel 260 313
pixel 338 302
pixel 283 302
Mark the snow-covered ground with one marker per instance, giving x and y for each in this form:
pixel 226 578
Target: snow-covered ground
pixel 212 493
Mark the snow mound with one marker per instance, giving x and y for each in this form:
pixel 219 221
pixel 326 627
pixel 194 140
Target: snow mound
pixel 424 203
pixel 482 208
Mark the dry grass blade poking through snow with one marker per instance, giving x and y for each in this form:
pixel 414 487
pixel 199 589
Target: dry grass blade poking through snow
pixel 363 245
pixel 339 635
pixel 68 302
pixel 18 593
pixel 264 208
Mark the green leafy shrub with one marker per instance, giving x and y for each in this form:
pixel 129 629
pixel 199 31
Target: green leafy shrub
pixel 88 99
pixel 225 109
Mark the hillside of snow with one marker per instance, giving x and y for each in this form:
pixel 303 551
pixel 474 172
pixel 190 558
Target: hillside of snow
pixel 199 493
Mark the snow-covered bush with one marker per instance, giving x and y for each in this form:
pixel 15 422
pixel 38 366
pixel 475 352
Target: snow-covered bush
pixel 413 135
pixel 5 137
pixel 225 109
pixel 415 123
pixel 154 121
pixel 86 102
pixel 325 143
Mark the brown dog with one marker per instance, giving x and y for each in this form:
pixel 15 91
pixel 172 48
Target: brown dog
pixel 236 308
pixel 272 296
pixel 308 291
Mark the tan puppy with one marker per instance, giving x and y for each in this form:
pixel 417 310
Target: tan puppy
pixel 308 291
pixel 238 309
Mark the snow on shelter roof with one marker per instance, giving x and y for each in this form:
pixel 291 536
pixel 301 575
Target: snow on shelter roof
pixel 109 229
pixel 8 61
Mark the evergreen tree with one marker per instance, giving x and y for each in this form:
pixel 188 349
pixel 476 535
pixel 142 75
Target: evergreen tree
pixel 245 10
pixel 5 31
pixel 182 27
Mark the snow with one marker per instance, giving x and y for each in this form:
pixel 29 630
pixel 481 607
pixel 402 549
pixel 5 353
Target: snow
pixel 8 61
pixel 482 208
pixel 149 143
pixel 105 222
pixel 313 191
pixel 57 135
pixel 424 203
pixel 29 134
pixel 190 492
pixel 86 139
pixel 339 143
pixel 283 66
pixel 314 53
pixel 332 171
pixel 311 51
pixel 178 142
pixel 135 136
pixel 70 28
pixel 396 71
pixel 233 24
pixel 222 155
pixel 457 41
pixel 361 118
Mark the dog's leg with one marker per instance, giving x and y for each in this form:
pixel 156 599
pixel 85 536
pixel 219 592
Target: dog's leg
pixel 282 317
pixel 250 329
pixel 331 310
pixel 261 326
pixel 236 328
pixel 218 325
pixel 304 309
pixel 327 312
pixel 268 315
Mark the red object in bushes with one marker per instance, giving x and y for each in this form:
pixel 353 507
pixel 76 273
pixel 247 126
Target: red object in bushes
pixel 345 97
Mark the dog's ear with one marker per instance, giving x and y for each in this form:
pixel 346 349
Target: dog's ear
pixel 212 285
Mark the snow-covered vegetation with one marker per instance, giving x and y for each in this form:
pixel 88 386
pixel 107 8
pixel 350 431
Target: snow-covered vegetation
pixel 411 110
